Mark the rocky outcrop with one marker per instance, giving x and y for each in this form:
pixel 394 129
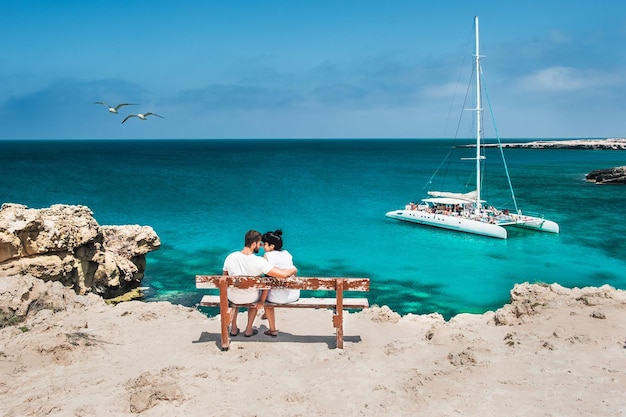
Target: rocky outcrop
pixel 24 296
pixel 64 243
pixel 615 175
pixel 616 144
pixel 529 300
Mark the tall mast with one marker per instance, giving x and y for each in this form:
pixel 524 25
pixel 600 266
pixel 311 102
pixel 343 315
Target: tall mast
pixel 478 119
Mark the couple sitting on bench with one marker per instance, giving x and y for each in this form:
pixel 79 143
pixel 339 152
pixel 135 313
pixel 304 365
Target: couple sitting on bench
pixel 276 262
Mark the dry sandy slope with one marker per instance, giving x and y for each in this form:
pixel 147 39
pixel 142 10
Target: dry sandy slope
pixel 556 352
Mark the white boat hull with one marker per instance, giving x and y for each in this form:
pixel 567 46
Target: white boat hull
pixel 535 223
pixel 457 223
pixel 478 227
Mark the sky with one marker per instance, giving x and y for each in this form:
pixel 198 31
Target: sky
pixel 307 69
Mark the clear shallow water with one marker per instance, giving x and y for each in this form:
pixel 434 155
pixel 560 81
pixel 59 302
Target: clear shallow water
pixel 330 199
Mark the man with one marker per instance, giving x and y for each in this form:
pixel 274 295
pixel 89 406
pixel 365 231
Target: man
pixel 246 262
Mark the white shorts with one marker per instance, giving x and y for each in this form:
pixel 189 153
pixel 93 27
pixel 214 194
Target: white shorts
pixel 240 296
pixel 283 296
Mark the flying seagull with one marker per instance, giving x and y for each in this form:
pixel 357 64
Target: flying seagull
pixel 116 108
pixel 142 116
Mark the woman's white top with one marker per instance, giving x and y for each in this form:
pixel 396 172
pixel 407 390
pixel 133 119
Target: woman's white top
pixel 283 260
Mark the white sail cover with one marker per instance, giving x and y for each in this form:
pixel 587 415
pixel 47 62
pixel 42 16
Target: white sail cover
pixel 445 197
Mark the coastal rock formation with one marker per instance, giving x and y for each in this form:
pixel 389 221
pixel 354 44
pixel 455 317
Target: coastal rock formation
pixel 529 300
pixel 65 243
pixel 24 296
pixel 615 175
pixel 616 144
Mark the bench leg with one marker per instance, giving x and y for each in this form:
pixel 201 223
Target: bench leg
pixel 225 316
pixel 338 323
pixel 338 317
pixel 225 321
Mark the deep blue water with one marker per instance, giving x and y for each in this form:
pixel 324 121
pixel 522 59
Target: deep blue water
pixel 330 198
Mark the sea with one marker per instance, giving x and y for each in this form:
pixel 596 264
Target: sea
pixel 329 197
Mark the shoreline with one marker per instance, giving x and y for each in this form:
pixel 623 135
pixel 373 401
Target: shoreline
pixel 618 144
pixel 550 351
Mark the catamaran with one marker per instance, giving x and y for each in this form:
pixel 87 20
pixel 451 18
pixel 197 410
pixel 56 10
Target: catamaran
pixel 467 212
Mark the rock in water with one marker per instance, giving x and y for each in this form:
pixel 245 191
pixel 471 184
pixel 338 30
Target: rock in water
pixel 615 175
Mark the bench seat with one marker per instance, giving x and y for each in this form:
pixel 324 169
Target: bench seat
pixel 313 302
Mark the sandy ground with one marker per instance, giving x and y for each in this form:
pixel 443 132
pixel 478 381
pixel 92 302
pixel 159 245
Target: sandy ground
pixel 551 352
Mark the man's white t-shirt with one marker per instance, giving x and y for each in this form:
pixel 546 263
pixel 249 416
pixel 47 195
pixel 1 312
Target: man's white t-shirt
pixel 238 263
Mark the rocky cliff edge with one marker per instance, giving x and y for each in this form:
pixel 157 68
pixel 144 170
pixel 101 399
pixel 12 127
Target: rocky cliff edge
pixel 65 243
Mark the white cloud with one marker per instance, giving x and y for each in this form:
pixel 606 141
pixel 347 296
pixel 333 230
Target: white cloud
pixel 561 78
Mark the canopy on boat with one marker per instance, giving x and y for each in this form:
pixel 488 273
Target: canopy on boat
pixel 445 197
pixel 446 200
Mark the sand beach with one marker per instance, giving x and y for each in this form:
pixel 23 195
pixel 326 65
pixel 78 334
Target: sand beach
pixel 552 351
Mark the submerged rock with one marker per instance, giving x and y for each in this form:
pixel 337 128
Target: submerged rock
pixel 615 175
pixel 65 243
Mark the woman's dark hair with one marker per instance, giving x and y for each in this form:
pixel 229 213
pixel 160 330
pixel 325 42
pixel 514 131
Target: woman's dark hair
pixel 274 238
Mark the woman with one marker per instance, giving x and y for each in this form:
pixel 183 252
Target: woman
pixel 280 258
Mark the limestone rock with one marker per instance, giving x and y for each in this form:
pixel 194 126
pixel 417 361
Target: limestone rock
pixel 27 232
pixel 23 296
pixel 65 243
pixel 616 144
pixel 532 299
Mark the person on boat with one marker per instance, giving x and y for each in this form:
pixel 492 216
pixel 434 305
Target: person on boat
pixel 246 263
pixel 278 257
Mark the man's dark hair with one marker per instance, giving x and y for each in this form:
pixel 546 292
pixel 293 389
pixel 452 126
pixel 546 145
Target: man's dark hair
pixel 251 237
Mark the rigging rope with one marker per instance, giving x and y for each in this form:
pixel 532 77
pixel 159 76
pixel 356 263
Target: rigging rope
pixel 446 159
pixel 493 120
pixel 455 137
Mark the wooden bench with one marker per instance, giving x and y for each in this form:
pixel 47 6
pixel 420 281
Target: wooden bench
pixel 339 303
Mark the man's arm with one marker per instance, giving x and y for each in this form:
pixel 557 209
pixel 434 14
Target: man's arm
pixel 282 273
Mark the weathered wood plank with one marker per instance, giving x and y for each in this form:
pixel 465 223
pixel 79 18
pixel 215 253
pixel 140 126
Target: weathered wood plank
pixel 312 302
pixel 302 283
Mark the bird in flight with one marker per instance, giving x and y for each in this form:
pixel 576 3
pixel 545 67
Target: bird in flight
pixel 142 116
pixel 116 108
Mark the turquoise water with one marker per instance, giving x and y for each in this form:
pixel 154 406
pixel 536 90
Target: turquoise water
pixel 330 198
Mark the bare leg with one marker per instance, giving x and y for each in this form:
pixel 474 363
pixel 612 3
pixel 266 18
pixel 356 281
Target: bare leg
pixel 233 324
pixel 251 316
pixel 270 312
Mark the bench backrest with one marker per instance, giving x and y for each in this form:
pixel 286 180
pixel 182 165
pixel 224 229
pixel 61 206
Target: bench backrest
pixel 301 283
